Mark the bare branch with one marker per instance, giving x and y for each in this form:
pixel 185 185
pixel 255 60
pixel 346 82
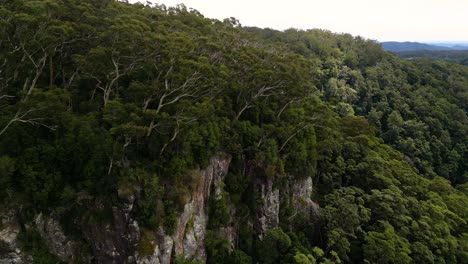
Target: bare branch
pixel 180 120
pixel 41 63
pixel 264 91
pixel 29 56
pixel 246 106
pixel 5 96
pixel 301 126
pixel 35 121
pixel 72 78
pixel 128 141
pixel 119 69
pixel 173 95
pixel 111 163
pixel 22 118
pixel 292 135
pixel 295 99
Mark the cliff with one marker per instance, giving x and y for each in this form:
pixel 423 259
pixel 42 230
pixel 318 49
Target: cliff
pixel 117 240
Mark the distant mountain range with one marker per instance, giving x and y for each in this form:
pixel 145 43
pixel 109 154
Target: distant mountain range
pixel 413 46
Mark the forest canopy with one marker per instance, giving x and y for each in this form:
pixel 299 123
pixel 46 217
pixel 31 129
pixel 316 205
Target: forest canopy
pixel 97 97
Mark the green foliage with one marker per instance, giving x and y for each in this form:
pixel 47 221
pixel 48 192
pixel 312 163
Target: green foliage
pixel 345 213
pixel 147 243
pixel 239 257
pixel 217 247
pixel 218 212
pixel 150 206
pixel 274 246
pixel 110 100
pixel 182 260
pixel 455 56
pixel 386 246
pixel 300 258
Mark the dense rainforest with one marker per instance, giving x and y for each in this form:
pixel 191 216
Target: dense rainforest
pixel 104 102
pixel 455 56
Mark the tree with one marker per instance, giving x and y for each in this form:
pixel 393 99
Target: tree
pixel 274 246
pixel 29 44
pixel 344 214
pixel 386 246
pixel 119 51
pixel 7 167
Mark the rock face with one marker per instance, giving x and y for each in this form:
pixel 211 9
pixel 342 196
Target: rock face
pixel 116 239
pixel 298 191
pixel 268 212
pixel 301 197
pixel 10 252
pixel 51 231
pixel 114 242
pixel 189 237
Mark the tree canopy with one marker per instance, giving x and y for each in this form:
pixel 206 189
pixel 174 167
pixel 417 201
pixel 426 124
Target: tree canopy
pixel 99 96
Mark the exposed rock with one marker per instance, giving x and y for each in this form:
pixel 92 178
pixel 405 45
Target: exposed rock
pixel 128 200
pixel 219 166
pixel 59 245
pixel 229 233
pixel 153 259
pixel 301 197
pixel 10 253
pixel 115 241
pixel 162 251
pixel 268 212
pixel 190 243
pixel 189 237
pixel 187 214
pixel 189 240
pixel 166 246
pixel 300 192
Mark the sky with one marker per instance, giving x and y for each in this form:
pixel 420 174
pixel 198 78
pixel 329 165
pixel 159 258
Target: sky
pixel 382 20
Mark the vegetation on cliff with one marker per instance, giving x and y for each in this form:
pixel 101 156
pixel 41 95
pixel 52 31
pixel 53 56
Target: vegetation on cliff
pixel 102 97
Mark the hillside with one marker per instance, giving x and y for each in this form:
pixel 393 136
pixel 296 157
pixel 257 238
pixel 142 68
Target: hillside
pixel 411 46
pixel 454 56
pixel 137 133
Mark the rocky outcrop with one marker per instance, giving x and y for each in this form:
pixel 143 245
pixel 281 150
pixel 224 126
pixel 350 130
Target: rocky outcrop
pixel 268 212
pixel 297 192
pixel 116 238
pixel 189 237
pixel 114 241
pixel 162 252
pixel 301 197
pixel 10 252
pixel 111 242
pixel 59 244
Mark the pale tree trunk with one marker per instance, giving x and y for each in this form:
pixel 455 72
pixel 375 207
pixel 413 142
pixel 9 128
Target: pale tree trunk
pixel 21 116
pixel 172 95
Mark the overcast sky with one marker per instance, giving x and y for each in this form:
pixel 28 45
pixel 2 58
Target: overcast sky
pixel 383 20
